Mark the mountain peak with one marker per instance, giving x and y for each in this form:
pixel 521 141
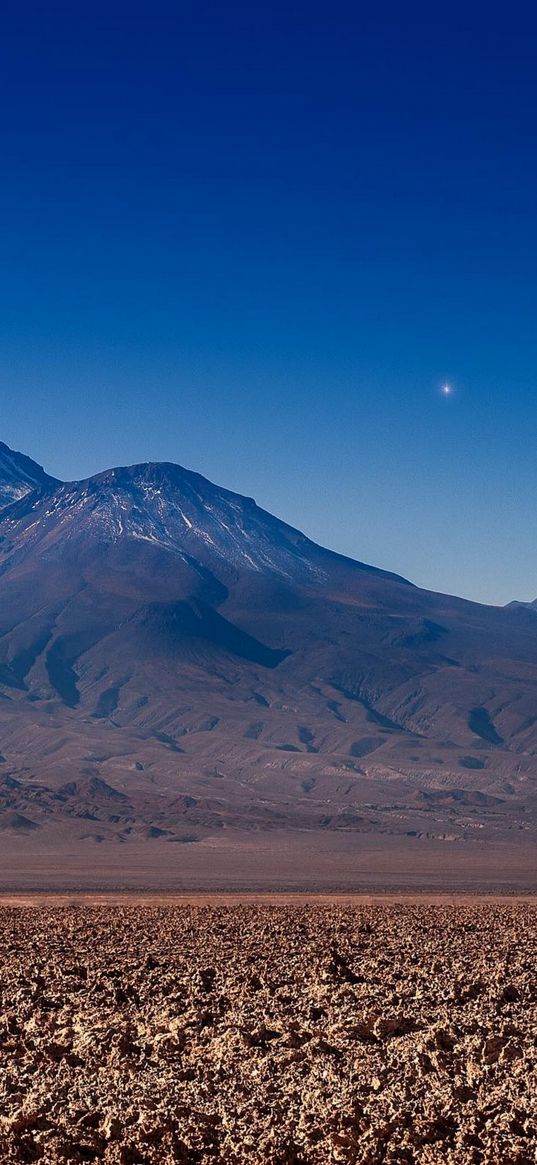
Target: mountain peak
pixel 20 476
pixel 163 473
pixel 175 510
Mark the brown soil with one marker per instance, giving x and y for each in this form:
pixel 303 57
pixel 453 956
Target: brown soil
pixel 354 1032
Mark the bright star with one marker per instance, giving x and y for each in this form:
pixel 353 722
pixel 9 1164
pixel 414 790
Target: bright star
pixel 446 390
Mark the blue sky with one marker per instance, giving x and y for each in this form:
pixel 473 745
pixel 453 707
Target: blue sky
pixel 256 240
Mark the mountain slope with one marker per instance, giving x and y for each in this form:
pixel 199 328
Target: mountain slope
pixel 170 641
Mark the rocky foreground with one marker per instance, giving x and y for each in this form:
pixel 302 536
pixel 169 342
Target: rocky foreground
pixel 269 1033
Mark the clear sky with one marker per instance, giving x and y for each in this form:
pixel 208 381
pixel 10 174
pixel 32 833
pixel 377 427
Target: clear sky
pixel 256 239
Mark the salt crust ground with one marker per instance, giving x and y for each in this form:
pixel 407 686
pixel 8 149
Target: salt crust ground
pixel 287 1034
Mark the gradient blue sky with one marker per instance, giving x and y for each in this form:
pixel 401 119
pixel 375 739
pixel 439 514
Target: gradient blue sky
pixel 256 239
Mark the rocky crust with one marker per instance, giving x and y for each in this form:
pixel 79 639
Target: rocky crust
pixel 280 1034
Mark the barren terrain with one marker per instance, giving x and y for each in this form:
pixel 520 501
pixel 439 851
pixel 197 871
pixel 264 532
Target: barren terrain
pixel 282 860
pixel 280 1032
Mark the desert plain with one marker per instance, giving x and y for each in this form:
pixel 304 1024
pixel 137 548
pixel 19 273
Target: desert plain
pixel 291 1030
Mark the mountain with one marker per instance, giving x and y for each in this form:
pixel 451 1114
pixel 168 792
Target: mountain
pixel 178 665
pixel 19 476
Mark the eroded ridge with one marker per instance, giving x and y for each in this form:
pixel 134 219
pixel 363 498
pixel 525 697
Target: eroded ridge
pixel 287 1034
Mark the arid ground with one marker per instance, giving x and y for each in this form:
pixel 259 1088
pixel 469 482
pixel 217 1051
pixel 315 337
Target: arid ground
pixel 282 1031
